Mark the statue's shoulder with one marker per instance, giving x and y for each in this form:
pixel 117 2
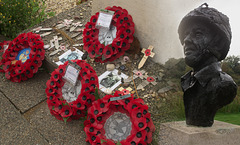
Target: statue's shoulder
pixel 223 81
pixel 225 77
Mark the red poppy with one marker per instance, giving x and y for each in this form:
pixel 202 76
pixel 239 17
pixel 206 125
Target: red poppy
pixel 147 52
pixel 78 107
pixel 125 91
pixel 138 73
pixel 87 40
pixel 94 18
pixel 107 52
pixel 66 111
pixel 91 51
pixel 150 79
pixel 90 26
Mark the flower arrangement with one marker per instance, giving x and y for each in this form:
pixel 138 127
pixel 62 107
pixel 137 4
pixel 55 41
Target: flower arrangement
pixel 23 57
pixel 101 111
pixel 3 44
pixel 73 109
pixel 124 36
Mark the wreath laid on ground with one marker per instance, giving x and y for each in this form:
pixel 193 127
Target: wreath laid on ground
pixel 23 57
pixel 103 125
pixel 3 47
pixel 3 44
pixel 68 102
pixel 122 23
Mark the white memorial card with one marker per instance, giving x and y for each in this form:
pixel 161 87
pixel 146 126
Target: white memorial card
pixel 69 55
pixel 104 19
pixel 71 74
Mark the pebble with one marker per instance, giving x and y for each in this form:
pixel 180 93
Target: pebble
pixel 122 67
pixel 76 18
pixel 154 94
pixel 136 56
pixel 126 58
pixel 119 72
pixel 125 84
pixel 46 46
pixel 110 67
pixel 151 91
pixel 55 59
pixel 81 14
pixel 108 91
pixel 73 49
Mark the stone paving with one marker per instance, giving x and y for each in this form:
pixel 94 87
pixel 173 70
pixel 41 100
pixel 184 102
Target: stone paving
pixel 25 117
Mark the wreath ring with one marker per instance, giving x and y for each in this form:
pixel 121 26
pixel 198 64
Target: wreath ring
pixel 73 109
pixel 23 57
pixel 124 36
pixel 102 110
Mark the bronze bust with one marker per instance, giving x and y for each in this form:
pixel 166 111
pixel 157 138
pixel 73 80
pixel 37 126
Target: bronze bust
pixel 205 34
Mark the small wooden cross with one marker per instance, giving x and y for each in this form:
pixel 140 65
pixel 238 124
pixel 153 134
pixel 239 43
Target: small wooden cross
pixel 146 82
pixel 75 25
pixel 136 74
pixel 66 23
pixel 56 43
pixel 126 91
pixel 147 52
pixel 38 29
pixel 53 42
pixel 45 34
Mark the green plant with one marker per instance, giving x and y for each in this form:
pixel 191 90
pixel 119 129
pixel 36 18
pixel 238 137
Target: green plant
pixel 175 68
pixel 233 118
pixel 17 15
pixel 231 66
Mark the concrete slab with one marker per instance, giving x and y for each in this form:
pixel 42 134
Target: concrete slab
pixel 7 111
pixel 27 94
pixel 14 129
pixel 178 133
pixel 19 132
pixel 55 131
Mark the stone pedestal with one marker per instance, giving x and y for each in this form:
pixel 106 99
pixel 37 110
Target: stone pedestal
pixel 178 133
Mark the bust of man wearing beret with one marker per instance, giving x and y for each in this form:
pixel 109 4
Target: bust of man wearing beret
pixel 205 34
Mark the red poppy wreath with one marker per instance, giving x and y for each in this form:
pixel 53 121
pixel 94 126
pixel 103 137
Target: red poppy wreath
pixel 67 102
pixel 112 121
pixel 3 47
pixel 107 45
pixel 23 57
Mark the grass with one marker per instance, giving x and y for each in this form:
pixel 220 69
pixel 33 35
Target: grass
pixel 233 118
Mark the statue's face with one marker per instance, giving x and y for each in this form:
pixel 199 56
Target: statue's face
pixel 196 39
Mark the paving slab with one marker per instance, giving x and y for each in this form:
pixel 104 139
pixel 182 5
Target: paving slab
pixel 14 129
pixel 27 94
pixel 55 131
pixel 7 111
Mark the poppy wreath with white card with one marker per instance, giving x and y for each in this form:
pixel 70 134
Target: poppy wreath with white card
pixel 119 119
pixel 3 47
pixel 23 57
pixel 67 101
pixel 107 45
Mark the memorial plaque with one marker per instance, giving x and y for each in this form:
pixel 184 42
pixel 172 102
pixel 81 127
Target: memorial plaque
pixel 118 127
